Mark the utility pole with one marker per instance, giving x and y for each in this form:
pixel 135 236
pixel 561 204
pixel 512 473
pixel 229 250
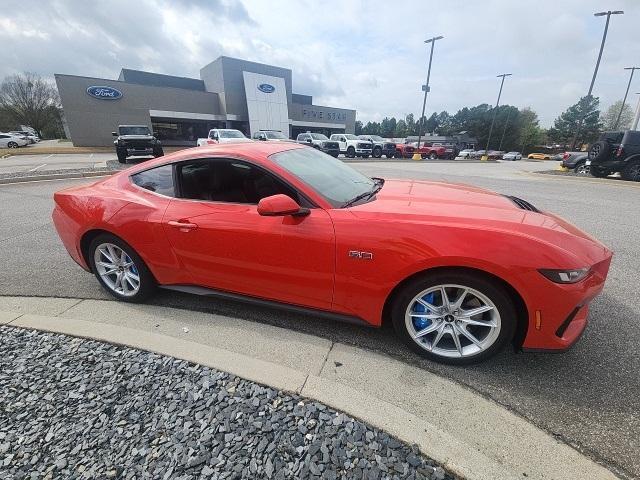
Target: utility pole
pixel 495 111
pixel 432 41
pixel 504 130
pixel 595 71
pixel 633 69
pixel 637 117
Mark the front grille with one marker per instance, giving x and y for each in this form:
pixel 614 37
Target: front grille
pixel 409 149
pixel 364 145
pixel 331 145
pixel 137 143
pixel 523 204
pixel 389 146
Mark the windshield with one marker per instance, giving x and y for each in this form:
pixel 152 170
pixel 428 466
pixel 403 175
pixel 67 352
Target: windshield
pixel 319 136
pixel 276 135
pixel 334 180
pixel 230 134
pixel 351 137
pixel 377 138
pixel 134 130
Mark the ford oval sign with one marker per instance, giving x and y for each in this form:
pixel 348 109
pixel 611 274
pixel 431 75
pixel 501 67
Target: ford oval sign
pixel 266 88
pixel 104 93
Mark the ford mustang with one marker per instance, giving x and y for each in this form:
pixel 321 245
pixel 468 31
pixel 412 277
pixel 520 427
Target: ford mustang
pixel 459 271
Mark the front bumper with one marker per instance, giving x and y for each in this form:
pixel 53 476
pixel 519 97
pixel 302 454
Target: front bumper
pixel 363 151
pixel 558 313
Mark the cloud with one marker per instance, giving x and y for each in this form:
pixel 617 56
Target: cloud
pixel 369 56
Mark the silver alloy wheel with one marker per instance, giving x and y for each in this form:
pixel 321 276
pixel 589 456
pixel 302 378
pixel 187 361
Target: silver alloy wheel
pixel 453 321
pixel 117 269
pixel 583 169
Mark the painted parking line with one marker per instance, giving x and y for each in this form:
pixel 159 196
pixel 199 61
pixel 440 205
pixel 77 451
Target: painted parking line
pixel 36 168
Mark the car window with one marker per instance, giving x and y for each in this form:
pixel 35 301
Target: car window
pixel 333 179
pixel 319 136
pixel 135 130
pixel 159 180
pixel 231 134
pixel 4 136
pixel 276 135
pixel 303 137
pixel 222 180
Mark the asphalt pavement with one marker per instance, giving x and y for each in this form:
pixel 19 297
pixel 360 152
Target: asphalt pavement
pixel 54 161
pixel 588 396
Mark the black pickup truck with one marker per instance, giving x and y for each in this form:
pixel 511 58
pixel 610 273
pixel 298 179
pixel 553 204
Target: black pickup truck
pixel 134 140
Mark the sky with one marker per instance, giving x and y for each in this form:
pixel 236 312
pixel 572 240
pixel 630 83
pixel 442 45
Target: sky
pixel 365 55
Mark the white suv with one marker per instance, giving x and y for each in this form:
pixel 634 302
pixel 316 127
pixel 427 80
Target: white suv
pixel 352 146
pixel 223 135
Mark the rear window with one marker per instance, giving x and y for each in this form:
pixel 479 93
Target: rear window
pixel 632 137
pixel 158 180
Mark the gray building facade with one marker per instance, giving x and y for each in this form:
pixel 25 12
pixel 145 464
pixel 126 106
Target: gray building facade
pixel 230 93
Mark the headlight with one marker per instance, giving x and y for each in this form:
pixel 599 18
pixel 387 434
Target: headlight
pixel 565 276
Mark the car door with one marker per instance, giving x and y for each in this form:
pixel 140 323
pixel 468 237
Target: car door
pixel 342 141
pixel 221 240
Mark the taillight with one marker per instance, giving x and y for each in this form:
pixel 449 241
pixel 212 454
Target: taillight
pixel 620 151
pixel 565 156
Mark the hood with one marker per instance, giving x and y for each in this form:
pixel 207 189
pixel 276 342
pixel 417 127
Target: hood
pixel 466 206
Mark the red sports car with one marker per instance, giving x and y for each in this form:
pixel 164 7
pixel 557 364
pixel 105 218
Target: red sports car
pixel 459 271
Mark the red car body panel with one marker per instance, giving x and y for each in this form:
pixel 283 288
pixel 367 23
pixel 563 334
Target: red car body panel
pixel 410 227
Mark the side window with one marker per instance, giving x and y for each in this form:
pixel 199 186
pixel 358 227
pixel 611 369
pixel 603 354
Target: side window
pixel 229 181
pixel 303 137
pixel 159 180
pixel 343 139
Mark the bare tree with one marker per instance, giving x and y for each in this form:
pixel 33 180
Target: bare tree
pixel 28 99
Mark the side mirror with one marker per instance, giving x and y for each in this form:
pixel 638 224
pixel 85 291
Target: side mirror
pixel 115 134
pixel 309 141
pixel 280 205
pixel 264 139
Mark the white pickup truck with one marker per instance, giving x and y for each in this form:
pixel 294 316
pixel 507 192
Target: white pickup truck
pixel 352 146
pixel 223 135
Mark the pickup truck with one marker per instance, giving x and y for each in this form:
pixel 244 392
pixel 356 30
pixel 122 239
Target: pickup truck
pixel 430 151
pixel 380 146
pixel 576 161
pixel 352 146
pixel 321 142
pixel 404 150
pixel 135 140
pixel 223 135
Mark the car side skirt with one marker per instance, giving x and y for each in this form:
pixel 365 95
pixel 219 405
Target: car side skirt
pixel 261 302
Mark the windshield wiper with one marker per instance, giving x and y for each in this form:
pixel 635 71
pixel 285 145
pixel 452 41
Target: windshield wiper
pixel 366 195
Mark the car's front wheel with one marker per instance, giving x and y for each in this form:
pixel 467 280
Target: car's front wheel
pixel 122 156
pixel 454 317
pixel 351 152
pixel 12 145
pixel 158 152
pixel 119 269
pixel 433 155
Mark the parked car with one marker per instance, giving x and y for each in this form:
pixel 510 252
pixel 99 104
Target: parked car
pixel 539 156
pixel 291 226
pixel 576 161
pixel 12 141
pixel 271 135
pixel 616 152
pixel 512 156
pixel 479 153
pixel 404 150
pixel 351 146
pixel 466 153
pixel 320 142
pixel 495 154
pixel 450 151
pixel 30 137
pixel 223 135
pixel 380 146
pixel 135 140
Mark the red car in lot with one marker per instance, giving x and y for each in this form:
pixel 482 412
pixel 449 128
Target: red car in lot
pixel 459 271
pixel 404 150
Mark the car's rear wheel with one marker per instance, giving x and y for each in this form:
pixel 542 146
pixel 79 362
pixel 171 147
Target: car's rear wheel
pixel 390 155
pixel 12 145
pixel 582 169
pixel 596 172
pixel 119 269
pixel 632 171
pixel 456 318
pixel 433 155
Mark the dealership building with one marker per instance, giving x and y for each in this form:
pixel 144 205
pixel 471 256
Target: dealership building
pixel 230 93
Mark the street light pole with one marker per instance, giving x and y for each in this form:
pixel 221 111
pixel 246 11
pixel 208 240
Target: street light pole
pixel 495 111
pixel 595 71
pixel 633 69
pixel 432 41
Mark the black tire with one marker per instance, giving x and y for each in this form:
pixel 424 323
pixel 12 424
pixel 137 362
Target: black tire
pixel 423 156
pixel 122 156
pixel 158 152
pixel 12 145
pixel 335 155
pixel 147 281
pixel 390 155
pixel 489 288
pixel 581 168
pixel 433 156
pixel 377 152
pixel 631 171
pixel 351 152
pixel 596 172
pixel 599 152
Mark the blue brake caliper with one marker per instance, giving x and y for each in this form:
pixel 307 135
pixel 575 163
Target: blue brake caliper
pixel 133 266
pixel 422 323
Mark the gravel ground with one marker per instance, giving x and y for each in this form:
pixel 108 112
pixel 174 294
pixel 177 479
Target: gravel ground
pixel 74 408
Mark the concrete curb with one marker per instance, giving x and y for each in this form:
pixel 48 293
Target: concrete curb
pixel 54 176
pixel 481 441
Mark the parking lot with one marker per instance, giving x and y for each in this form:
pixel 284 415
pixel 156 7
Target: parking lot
pixel 588 397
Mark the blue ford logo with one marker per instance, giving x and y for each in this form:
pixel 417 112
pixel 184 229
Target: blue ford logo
pixel 104 93
pixel 266 88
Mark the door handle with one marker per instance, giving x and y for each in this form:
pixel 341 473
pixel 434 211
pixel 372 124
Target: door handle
pixel 183 226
